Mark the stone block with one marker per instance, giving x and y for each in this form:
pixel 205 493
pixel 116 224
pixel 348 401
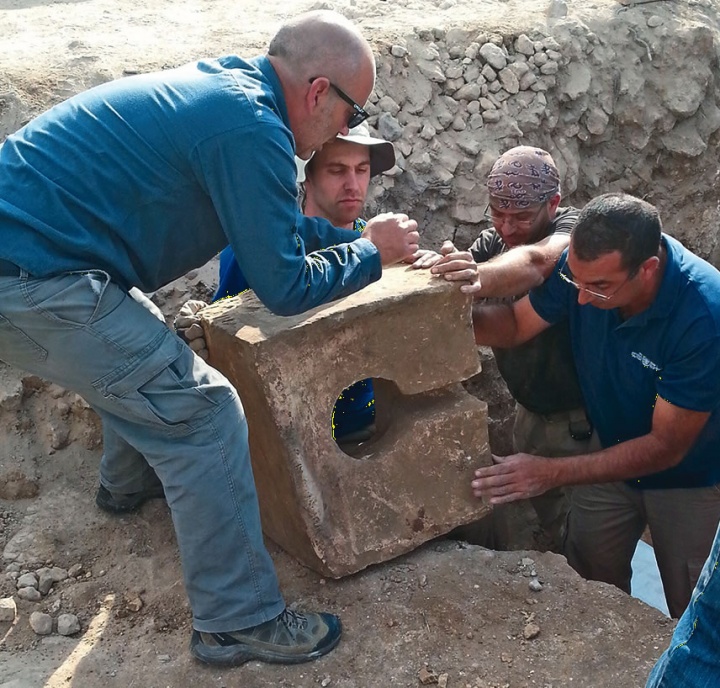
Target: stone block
pixel 339 512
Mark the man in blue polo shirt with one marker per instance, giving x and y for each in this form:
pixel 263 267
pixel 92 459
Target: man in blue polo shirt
pixel 132 184
pixel 644 316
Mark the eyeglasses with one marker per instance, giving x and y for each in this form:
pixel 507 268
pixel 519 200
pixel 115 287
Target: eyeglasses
pixel 596 294
pixel 359 115
pixel 493 215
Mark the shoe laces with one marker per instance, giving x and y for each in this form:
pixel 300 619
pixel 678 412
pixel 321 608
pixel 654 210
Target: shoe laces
pixel 293 619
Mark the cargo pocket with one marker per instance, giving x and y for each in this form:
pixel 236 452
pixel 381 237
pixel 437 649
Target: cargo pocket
pixel 17 348
pixel 161 387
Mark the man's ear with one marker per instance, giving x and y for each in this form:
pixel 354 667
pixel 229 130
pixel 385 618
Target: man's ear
pixel 649 267
pixel 318 91
pixel 553 204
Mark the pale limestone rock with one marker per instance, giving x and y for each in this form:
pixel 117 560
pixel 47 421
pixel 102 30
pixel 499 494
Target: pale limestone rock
pixel 471 52
pixel 509 80
pixel 468 92
pixel 489 73
pixel 550 43
pixel 494 56
pixel 596 121
pixel 387 104
pixel 427 132
pixel 8 610
pixel 476 121
pixel 454 72
pixel 471 72
pixel 527 80
pixel 524 45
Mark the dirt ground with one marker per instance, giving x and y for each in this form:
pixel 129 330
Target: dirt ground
pixel 448 614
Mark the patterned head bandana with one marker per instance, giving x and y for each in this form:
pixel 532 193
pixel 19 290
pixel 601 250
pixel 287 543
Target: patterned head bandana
pixel 522 177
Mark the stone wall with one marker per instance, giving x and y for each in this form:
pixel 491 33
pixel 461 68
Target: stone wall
pixel 625 100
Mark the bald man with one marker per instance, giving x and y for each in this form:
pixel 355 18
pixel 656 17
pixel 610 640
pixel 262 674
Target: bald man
pixel 132 184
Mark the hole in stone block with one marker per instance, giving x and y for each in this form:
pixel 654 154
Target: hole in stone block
pixel 379 405
pixel 353 415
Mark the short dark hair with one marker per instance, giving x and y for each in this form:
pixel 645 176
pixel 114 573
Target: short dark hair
pixel 618 222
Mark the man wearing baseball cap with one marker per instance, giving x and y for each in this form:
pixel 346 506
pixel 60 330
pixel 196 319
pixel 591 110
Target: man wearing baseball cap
pixel 334 186
pixel 529 232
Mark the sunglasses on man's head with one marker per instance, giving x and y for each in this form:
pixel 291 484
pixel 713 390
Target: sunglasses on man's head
pixel 359 115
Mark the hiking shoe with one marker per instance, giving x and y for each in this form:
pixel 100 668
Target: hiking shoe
pixel 125 503
pixel 290 638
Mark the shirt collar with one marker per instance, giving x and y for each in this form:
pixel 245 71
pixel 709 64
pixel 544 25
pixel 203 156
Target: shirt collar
pixel 670 286
pixel 265 66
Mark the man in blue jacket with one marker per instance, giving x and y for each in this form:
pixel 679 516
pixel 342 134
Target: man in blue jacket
pixel 644 317
pixel 132 184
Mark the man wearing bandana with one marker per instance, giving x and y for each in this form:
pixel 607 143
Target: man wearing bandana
pixel 529 232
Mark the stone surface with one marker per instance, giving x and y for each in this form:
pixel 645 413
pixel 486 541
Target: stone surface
pixel 340 512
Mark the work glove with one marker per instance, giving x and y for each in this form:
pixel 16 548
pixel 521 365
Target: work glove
pixel 188 327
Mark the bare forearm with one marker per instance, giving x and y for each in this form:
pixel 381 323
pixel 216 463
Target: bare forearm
pixel 520 476
pixel 511 274
pixel 625 461
pixel 495 325
pixel 521 268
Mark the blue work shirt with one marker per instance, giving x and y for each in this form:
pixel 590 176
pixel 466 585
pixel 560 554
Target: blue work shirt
pixel 670 350
pixel 355 407
pixel 149 176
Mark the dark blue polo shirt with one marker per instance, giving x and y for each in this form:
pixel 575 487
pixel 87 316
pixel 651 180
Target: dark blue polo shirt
pixel 671 350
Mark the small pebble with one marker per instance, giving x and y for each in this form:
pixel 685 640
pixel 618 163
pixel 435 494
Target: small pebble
pixel 535 585
pixel 531 631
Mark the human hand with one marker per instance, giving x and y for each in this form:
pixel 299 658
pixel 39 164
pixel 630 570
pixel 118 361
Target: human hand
pixel 188 327
pixel 395 235
pixel 514 477
pixel 423 259
pixel 458 266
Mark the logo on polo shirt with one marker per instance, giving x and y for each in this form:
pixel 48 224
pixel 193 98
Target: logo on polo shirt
pixel 645 361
